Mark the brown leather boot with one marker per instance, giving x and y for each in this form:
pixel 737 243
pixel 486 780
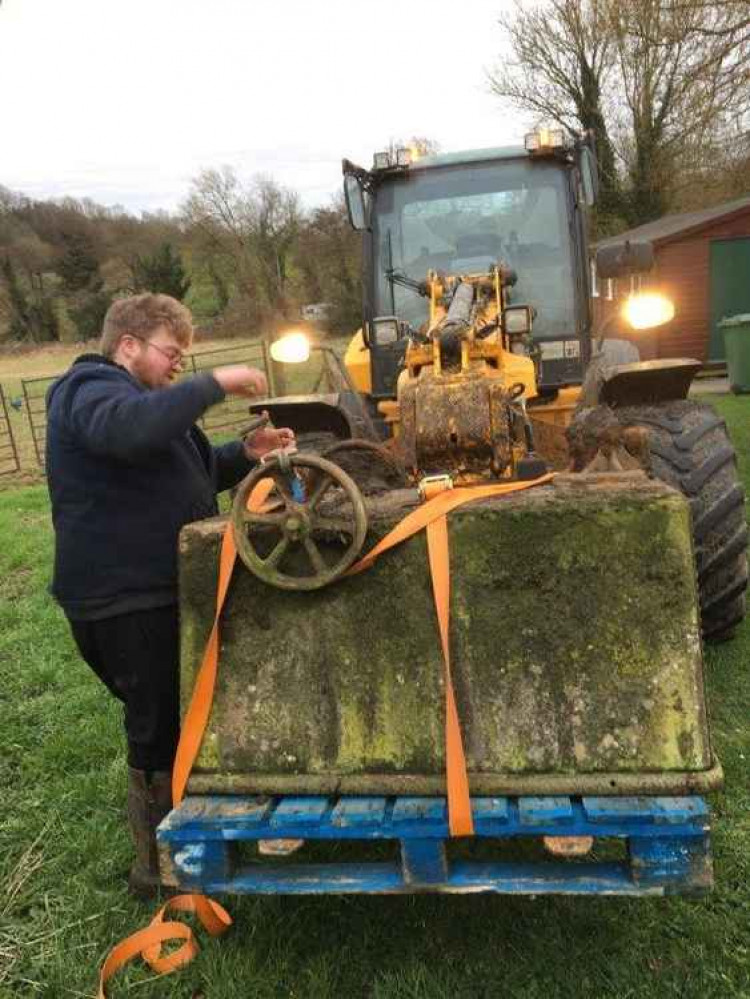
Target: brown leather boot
pixel 149 801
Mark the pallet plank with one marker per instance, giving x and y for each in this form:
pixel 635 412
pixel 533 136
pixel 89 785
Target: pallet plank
pixel 424 861
pixel 411 809
pixel 300 810
pixel 218 813
pixel 358 812
pixel 494 810
pixel 675 811
pixel 665 810
pixel 539 811
pixel 464 877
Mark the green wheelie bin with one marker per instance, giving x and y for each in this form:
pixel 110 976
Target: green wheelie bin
pixel 737 342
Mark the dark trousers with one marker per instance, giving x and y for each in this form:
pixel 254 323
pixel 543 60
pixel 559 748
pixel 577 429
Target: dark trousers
pixel 136 656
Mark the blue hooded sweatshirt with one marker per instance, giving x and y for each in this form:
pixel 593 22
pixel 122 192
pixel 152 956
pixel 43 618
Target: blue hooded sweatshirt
pixel 126 469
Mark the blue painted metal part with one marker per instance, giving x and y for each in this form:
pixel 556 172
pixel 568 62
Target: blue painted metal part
pixel 667 842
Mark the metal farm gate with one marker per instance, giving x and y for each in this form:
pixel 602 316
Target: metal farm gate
pixel 218 423
pixel 8 450
pixel 232 414
pixel 34 391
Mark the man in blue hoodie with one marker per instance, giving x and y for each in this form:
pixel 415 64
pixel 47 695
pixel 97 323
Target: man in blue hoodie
pixel 127 468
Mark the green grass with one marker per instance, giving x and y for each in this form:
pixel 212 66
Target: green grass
pixel 64 854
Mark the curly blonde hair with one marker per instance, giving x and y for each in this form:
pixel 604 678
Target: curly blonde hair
pixel 142 316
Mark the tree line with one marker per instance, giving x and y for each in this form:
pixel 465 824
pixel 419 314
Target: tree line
pixel 243 257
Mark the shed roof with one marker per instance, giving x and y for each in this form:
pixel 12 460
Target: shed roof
pixel 670 227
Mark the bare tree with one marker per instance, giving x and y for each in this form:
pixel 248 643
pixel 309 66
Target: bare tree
pixel 661 83
pixel 218 212
pixel 560 71
pixel 275 221
pixel 328 261
pixel 684 82
pixel 248 230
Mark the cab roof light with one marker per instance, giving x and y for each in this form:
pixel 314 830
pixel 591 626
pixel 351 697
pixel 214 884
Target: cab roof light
pixel 381 161
pixel 544 140
pixel 403 157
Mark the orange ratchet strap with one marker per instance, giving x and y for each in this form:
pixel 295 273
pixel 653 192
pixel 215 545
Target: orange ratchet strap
pixel 148 942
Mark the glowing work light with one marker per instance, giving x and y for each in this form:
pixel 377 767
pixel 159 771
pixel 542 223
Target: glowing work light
pixel 647 309
pixel 294 348
pixel 544 140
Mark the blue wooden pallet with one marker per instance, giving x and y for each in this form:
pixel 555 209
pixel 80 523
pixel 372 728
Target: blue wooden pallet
pixel 668 846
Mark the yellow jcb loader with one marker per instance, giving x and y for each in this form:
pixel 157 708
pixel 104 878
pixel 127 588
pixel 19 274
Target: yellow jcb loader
pixel 478 354
pixel 519 653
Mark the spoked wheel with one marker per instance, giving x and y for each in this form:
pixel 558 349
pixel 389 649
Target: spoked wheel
pixel 310 531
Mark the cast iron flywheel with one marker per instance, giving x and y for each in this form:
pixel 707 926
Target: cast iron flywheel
pixel 311 528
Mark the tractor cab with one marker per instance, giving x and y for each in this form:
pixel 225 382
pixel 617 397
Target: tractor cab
pixel 519 208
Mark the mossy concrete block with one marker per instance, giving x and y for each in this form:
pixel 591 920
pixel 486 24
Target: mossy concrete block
pixel 575 638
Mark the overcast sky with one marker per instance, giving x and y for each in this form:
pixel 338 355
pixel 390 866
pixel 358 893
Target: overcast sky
pixel 125 101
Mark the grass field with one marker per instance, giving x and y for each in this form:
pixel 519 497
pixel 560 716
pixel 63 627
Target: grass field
pixel 64 854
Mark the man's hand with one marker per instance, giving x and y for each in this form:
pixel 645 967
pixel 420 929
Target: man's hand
pixel 267 439
pixel 240 379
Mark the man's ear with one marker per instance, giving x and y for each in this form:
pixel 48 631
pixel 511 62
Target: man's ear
pixel 126 350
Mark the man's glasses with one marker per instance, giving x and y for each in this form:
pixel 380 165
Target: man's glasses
pixel 175 357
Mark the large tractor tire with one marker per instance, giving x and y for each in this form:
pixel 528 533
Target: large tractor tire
pixel 690 450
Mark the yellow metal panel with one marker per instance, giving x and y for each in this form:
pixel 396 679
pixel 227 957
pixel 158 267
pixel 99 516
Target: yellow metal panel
pixel 560 409
pixel 518 368
pixel 357 361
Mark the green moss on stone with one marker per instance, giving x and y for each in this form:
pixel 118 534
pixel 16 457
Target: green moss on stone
pixel 575 643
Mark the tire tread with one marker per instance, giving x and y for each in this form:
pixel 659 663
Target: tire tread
pixel 690 450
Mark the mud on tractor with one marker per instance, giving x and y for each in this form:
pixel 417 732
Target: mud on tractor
pixel 603 537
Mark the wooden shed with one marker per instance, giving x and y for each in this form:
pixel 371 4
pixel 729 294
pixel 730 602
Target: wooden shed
pixel 702 262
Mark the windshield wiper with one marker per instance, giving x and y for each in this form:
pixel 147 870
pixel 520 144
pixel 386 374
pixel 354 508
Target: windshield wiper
pixel 398 277
pixel 394 276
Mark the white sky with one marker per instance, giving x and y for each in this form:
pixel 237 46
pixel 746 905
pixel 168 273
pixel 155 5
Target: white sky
pixel 125 101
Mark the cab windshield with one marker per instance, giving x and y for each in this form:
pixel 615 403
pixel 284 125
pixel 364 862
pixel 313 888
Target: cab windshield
pixel 460 220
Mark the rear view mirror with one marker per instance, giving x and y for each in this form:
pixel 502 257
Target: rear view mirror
pixel 621 259
pixel 589 177
pixel 355 201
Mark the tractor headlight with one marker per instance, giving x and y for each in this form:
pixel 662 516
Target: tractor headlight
pixel 386 329
pixel 645 310
pixel 293 348
pixel 517 320
pixel 403 157
pixel 381 161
